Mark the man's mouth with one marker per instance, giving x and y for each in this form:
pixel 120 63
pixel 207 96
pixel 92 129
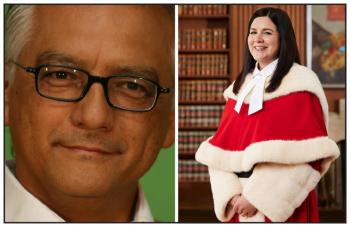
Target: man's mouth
pixel 89 149
pixel 89 145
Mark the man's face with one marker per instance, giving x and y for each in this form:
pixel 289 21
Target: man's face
pixel 58 144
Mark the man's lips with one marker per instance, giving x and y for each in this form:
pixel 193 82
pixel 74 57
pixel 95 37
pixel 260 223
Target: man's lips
pixel 90 149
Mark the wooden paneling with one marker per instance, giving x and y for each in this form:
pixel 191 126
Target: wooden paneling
pixel 333 95
pixel 239 18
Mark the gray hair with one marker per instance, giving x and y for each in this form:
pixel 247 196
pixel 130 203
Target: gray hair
pixel 18 31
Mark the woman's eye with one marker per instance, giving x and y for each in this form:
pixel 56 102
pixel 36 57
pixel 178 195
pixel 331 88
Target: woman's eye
pixel 252 33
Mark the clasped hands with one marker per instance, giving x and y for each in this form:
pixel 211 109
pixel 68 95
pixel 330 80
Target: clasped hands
pixel 242 206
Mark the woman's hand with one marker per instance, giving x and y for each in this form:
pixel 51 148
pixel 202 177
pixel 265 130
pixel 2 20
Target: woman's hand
pixel 231 203
pixel 242 206
pixel 234 199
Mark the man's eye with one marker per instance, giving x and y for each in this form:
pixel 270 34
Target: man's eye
pixel 133 86
pixel 130 88
pixel 60 78
pixel 60 75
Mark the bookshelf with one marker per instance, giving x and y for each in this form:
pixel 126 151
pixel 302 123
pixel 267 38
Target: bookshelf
pixel 199 104
pixel 204 73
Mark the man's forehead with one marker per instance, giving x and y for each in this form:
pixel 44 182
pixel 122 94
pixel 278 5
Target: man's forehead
pixel 128 11
pixel 145 29
pixel 144 21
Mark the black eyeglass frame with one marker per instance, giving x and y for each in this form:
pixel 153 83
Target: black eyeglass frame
pixel 91 80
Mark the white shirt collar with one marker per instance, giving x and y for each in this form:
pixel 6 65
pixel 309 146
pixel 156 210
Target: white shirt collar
pixel 267 70
pixel 22 206
pixel 143 212
pixel 257 86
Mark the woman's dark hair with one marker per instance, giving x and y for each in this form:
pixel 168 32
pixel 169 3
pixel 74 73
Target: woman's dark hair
pixel 288 50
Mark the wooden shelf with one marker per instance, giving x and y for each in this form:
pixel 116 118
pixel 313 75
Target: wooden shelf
pixel 194 216
pixel 186 156
pixel 189 102
pixel 196 128
pixel 194 77
pixel 195 196
pixel 204 51
pixel 226 16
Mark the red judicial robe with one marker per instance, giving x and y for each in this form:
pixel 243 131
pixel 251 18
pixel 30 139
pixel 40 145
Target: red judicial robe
pixel 287 145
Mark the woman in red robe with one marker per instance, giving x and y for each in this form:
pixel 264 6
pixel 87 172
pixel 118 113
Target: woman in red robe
pixel 271 147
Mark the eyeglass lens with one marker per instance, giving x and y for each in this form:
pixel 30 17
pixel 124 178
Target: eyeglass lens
pixel 69 84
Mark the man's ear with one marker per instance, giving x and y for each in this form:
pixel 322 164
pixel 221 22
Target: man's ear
pixel 7 93
pixel 170 135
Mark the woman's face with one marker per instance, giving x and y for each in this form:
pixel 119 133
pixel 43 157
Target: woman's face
pixel 263 41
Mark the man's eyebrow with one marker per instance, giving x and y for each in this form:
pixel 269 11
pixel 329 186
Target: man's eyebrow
pixel 55 57
pixel 140 71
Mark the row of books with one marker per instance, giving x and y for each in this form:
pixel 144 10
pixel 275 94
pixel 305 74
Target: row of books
pixel 202 10
pixel 203 39
pixel 200 111
pixel 203 64
pixel 207 116
pixel 189 141
pixel 190 170
pixel 202 90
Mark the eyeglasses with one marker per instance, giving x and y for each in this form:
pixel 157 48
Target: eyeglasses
pixel 68 84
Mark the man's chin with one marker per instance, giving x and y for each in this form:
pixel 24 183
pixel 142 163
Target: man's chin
pixel 83 182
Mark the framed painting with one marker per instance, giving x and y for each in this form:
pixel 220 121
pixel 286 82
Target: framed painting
pixel 326 43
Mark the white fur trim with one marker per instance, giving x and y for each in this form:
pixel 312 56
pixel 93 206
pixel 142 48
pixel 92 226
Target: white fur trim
pixel 277 190
pixel 258 217
pixel 299 78
pixel 224 185
pixel 275 151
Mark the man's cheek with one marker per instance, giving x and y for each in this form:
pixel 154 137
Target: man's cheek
pixel 143 141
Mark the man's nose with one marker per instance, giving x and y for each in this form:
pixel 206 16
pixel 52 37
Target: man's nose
pixel 93 111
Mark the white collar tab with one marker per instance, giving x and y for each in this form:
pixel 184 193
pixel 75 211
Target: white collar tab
pixel 256 85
